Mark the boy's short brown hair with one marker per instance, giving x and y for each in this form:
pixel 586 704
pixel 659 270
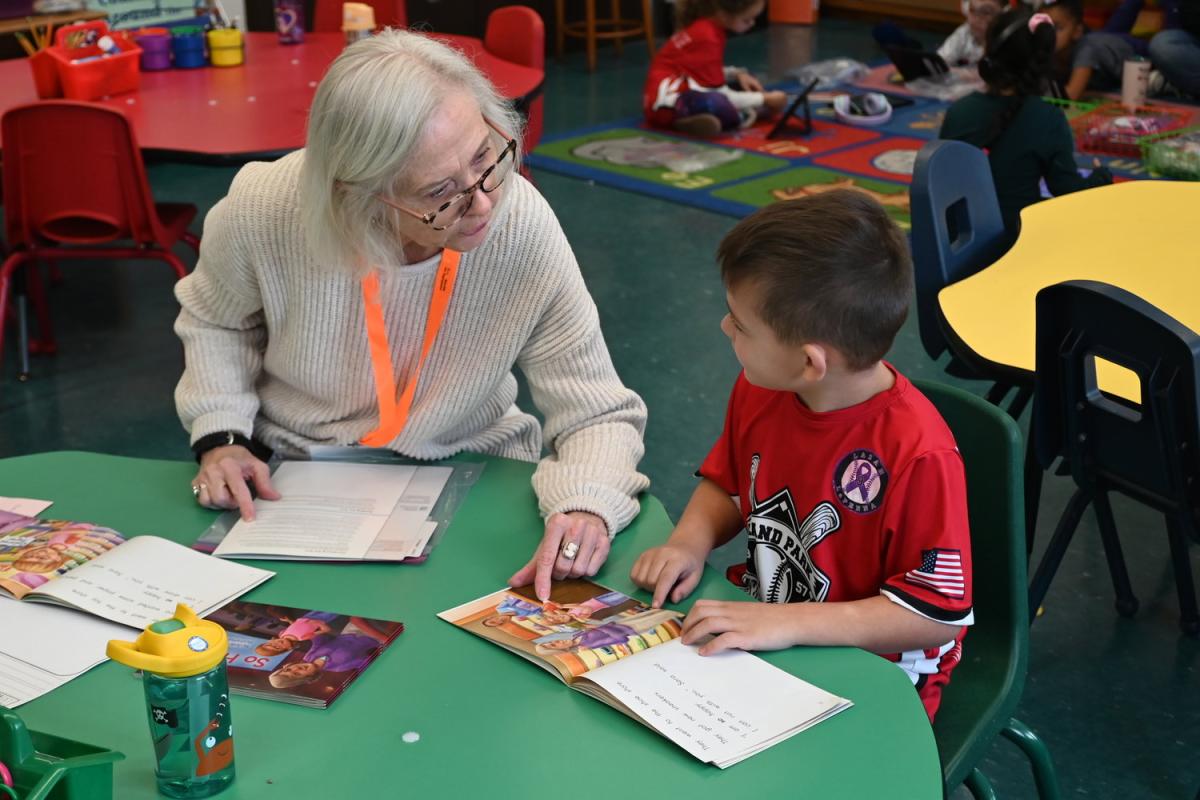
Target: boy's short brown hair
pixel 831 268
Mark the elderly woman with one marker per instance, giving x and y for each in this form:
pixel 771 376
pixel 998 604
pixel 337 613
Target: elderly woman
pixel 380 285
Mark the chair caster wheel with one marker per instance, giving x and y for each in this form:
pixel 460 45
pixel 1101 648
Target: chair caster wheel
pixel 23 377
pixel 1127 608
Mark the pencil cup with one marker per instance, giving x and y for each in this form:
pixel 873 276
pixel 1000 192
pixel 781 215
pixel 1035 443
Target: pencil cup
pixel 45 75
pixel 187 46
pixel 156 48
pixel 187 702
pixel 225 47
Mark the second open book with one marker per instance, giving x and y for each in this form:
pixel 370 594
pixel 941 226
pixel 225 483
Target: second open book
pixel 721 709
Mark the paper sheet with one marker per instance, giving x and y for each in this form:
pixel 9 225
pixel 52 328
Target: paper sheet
pixel 337 510
pixel 58 640
pixel 21 682
pixel 142 580
pixel 25 506
pixel 719 708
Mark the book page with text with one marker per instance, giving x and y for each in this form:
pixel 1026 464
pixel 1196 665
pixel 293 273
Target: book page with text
pixel 719 708
pixel 329 510
pixel 143 580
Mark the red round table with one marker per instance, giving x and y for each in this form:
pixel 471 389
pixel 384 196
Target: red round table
pixel 259 109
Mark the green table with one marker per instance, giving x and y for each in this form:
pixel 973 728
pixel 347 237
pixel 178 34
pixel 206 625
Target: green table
pixel 490 723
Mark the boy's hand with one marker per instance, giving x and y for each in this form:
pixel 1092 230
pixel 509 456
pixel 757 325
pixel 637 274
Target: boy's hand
pixel 748 83
pixel 671 565
pixel 744 626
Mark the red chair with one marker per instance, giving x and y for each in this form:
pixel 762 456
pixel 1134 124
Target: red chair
pixel 327 16
pixel 517 34
pixel 74 180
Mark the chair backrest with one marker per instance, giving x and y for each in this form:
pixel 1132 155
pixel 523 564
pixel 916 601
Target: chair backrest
pixel 327 14
pixel 1147 449
pixel 957 229
pixel 986 686
pixel 73 173
pixel 517 34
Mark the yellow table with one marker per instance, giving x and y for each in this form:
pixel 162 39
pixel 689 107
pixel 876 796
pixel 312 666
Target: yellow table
pixel 1142 236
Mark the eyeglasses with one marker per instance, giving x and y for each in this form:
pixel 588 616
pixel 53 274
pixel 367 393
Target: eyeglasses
pixel 449 213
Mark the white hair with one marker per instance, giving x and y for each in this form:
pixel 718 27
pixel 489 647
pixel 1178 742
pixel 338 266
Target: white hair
pixel 367 117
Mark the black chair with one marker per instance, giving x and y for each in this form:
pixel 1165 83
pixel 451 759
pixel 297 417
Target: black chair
pixel 1147 450
pixel 956 231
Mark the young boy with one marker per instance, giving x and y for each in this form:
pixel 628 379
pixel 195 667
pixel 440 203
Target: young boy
pixel 1090 59
pixel 847 481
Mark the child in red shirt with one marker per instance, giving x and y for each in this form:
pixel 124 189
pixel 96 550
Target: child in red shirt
pixel 689 88
pixel 846 479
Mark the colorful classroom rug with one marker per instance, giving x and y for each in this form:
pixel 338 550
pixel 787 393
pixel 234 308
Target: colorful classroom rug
pixel 744 170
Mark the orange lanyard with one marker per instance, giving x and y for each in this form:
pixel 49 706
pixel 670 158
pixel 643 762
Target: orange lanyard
pixel 392 414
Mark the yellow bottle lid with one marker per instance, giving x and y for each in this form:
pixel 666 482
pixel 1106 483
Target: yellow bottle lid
pixel 179 647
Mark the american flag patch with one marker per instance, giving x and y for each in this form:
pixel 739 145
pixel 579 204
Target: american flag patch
pixel 941 571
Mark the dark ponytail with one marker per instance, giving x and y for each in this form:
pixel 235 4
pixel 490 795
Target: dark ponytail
pixel 688 11
pixel 1018 54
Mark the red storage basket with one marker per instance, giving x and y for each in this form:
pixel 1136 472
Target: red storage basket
pixel 100 77
pixel 1115 130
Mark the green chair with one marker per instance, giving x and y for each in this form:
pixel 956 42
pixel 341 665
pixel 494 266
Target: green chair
pixel 986 686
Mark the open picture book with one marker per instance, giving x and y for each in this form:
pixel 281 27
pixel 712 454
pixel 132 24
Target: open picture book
pixel 81 584
pixel 721 709
pixel 94 569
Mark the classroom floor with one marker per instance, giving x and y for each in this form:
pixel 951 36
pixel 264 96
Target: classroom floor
pixel 1116 700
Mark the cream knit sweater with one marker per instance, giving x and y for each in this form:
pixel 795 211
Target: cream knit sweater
pixel 276 345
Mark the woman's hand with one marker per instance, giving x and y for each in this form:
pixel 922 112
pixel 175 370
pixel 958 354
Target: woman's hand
pixel 748 83
pixel 586 531
pixel 225 476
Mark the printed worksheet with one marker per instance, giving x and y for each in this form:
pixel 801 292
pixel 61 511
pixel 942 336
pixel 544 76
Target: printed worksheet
pixel 341 511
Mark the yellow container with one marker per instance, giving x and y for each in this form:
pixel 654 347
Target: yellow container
pixel 225 47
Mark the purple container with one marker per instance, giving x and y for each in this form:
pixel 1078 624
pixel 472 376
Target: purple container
pixel 156 48
pixel 289 21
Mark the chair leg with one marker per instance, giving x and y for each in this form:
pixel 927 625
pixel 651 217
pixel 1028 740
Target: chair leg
pixel 1044 776
pixel 44 344
pixel 6 272
pixel 560 23
pixel 1056 550
pixel 1033 492
pixel 616 18
pixel 979 786
pixel 648 24
pixel 1127 604
pixel 1189 619
pixel 22 337
pixel 192 241
pixel 590 22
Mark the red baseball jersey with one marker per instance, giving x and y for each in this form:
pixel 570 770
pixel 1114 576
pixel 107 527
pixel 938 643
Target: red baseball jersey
pixel 848 504
pixel 696 52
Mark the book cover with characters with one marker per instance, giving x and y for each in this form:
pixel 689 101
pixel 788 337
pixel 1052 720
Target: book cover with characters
pixel 34 552
pixel 302 656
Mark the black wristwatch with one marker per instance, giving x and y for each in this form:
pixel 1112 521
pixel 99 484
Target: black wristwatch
pixel 220 439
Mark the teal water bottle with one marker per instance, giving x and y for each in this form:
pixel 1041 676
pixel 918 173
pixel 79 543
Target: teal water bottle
pixel 187 701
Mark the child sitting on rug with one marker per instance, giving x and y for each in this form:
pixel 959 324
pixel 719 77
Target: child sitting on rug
pixel 964 47
pixel 846 479
pixel 689 88
pixel 1093 60
pixel 1026 139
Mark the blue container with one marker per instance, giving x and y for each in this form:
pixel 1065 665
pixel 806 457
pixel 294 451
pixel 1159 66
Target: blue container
pixel 187 46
